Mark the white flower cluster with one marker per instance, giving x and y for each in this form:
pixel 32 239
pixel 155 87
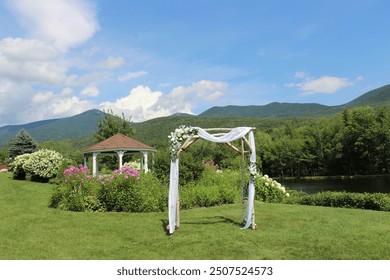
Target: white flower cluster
pixel 253 170
pixel 44 163
pixel 177 138
pixel 275 184
pixel 133 164
pixel 19 161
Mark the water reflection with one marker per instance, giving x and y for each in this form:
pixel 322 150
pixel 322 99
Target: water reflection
pixel 370 184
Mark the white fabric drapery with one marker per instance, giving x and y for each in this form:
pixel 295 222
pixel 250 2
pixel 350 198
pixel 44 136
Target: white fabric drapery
pixel 234 134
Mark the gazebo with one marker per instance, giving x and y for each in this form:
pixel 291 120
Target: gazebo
pixel 119 144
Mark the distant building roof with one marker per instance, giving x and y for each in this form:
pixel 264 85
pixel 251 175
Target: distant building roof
pixel 119 142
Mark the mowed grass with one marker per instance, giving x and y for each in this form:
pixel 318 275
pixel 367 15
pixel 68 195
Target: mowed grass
pixel 29 229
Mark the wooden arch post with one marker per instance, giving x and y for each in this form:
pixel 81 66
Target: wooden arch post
pixel 244 142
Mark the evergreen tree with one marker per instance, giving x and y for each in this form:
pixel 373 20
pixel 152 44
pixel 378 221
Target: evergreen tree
pixel 21 144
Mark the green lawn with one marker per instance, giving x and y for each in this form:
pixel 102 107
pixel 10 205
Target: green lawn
pixel 31 230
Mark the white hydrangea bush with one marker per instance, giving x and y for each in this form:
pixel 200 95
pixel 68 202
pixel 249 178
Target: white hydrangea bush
pixel 270 190
pixel 19 162
pixel 43 163
pixel 133 164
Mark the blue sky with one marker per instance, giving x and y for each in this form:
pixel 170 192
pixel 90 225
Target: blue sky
pixel 149 58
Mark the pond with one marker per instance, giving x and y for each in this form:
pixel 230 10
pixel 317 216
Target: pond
pixel 310 185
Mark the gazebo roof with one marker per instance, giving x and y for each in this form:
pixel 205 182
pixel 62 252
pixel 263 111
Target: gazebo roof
pixel 119 142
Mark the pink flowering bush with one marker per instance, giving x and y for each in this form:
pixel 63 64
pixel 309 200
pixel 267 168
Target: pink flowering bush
pixel 210 164
pixel 77 191
pixel 124 189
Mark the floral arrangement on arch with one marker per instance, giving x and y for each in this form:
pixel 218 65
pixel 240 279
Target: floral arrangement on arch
pixel 177 137
pixel 253 170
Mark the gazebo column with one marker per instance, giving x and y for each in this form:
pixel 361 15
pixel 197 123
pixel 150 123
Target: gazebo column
pixel 94 163
pixel 85 161
pixel 120 155
pixel 145 161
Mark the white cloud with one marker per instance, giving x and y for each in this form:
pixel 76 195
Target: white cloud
pixel 208 90
pixel 47 105
pixel 19 103
pixel 324 84
pixel 30 60
pixel 66 91
pixel 142 103
pixel 138 104
pixel 111 63
pixel 131 75
pixel 88 78
pixel 13 99
pixel 91 91
pixel 20 49
pixel 64 23
pixel 68 106
pixel 42 97
pixel 4 86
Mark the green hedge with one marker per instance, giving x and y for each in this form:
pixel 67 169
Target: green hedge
pixel 372 201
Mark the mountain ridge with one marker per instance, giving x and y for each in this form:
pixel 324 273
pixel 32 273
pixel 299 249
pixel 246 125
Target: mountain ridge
pixel 85 124
pixel 376 97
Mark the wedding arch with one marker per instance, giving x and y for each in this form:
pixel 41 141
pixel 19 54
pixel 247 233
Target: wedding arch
pixel 183 137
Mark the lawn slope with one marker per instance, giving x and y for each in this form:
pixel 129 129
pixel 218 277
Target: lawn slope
pixel 31 230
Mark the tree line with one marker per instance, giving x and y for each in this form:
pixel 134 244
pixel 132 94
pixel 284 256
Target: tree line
pixel 354 142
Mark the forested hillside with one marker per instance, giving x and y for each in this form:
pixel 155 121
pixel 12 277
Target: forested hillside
pixel 75 127
pixel 85 124
pixel 156 131
pixel 353 140
pixel 356 141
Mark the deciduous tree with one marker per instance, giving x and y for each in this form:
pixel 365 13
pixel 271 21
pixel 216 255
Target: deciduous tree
pixel 111 124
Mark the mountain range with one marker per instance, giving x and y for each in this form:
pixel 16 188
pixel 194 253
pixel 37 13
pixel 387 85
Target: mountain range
pixel 376 97
pixel 85 124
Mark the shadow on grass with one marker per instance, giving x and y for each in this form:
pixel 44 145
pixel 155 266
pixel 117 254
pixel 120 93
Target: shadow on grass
pixel 213 220
pixel 203 221
pixel 165 224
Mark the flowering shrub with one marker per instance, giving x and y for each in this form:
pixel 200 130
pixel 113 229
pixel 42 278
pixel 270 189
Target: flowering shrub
pixel 123 190
pixel 43 164
pixel 40 165
pixel 17 166
pixel 133 164
pixel 76 172
pixel 127 171
pixel 269 190
pixel 210 164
